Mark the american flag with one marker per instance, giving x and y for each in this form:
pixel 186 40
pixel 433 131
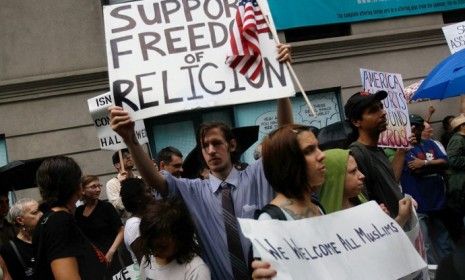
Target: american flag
pixel 244 54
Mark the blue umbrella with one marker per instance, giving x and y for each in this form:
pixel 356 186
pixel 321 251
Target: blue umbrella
pixel 447 79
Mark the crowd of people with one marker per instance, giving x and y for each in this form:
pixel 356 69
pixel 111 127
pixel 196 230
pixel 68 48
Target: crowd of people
pixel 166 226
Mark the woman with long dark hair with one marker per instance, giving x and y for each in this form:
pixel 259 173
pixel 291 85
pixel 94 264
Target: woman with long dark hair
pixel 169 246
pixel 293 165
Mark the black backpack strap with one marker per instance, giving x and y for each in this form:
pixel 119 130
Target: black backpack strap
pixel 274 211
pixel 316 202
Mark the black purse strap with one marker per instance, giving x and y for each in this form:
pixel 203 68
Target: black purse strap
pixel 41 239
pixel 15 249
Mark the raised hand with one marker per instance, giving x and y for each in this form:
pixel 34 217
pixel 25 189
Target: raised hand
pixel 122 123
pixel 284 53
pixel 405 211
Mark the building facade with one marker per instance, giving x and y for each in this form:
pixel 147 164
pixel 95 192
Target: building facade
pixel 52 59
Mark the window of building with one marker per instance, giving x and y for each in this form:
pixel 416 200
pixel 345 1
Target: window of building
pixel 454 16
pixel 3 152
pixel 179 130
pixel 327 104
pixel 317 32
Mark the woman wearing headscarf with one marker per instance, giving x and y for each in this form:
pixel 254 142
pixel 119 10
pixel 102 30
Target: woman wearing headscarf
pixel 343 182
pixel 343 185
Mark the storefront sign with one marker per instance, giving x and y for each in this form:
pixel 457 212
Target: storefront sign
pixel 300 13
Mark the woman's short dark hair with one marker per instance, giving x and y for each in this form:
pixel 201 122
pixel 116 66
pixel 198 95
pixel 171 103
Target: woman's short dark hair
pixel 58 178
pixel 284 163
pixel 134 195
pixel 169 218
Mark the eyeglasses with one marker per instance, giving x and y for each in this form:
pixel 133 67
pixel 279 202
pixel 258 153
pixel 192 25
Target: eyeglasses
pixel 94 186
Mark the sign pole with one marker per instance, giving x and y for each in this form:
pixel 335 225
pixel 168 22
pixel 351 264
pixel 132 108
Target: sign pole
pixel 121 163
pixel 288 64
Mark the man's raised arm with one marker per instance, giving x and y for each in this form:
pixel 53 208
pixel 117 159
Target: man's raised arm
pixel 284 107
pixel 122 124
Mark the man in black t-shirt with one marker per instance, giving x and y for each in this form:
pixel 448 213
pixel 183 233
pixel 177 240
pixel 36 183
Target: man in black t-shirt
pixel 366 113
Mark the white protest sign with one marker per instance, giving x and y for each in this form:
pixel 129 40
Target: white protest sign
pixel 169 56
pixel 398 124
pixel 108 139
pixel 455 36
pixel 358 243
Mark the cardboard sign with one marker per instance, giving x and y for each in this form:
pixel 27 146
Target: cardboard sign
pixel 108 139
pixel 169 56
pixel 398 123
pixel 358 243
pixel 455 36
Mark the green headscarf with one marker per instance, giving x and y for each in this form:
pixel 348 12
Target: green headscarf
pixel 333 188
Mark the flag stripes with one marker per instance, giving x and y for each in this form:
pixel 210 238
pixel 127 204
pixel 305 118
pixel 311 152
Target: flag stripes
pixel 245 55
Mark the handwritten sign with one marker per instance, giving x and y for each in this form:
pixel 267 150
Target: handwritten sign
pixel 264 115
pixel 108 139
pixel 358 243
pixel 169 56
pixel 455 36
pixel 395 104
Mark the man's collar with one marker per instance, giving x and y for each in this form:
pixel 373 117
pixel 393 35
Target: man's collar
pixel 232 179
